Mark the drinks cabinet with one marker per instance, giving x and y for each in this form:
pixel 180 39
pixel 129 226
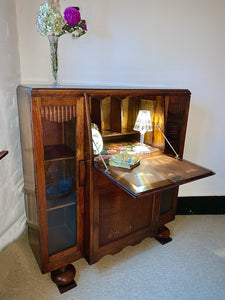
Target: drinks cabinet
pixel 76 207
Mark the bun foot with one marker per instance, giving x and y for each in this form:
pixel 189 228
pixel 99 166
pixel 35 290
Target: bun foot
pixel 64 278
pixel 163 235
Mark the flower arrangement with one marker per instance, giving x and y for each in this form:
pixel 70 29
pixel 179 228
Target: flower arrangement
pixel 51 22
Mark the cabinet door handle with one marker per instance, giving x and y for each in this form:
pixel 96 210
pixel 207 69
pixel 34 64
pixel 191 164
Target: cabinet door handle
pixel 82 172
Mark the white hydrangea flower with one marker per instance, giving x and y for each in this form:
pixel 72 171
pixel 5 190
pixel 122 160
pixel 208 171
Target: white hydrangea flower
pixel 49 22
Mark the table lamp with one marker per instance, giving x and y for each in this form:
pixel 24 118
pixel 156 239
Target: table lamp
pixel 143 123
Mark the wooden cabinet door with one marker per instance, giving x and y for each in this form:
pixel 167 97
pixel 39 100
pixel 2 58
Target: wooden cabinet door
pixel 119 219
pixel 58 150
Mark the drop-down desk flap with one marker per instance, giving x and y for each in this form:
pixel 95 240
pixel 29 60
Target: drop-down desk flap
pixel 154 173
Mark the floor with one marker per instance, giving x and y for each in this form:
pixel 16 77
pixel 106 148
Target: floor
pixel 190 267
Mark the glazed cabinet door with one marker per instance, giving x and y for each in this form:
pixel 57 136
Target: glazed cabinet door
pixel 59 159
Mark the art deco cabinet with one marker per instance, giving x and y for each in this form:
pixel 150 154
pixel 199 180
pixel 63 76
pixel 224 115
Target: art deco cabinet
pixel 75 207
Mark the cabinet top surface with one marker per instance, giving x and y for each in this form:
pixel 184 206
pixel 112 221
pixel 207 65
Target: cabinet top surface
pixel 35 88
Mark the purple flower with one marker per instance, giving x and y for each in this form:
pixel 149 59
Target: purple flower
pixel 72 15
pixel 85 26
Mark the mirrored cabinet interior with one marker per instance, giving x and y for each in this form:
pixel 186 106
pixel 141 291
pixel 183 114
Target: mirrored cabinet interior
pixel 77 204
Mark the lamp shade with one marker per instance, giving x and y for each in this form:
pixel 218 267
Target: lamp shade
pixel 143 122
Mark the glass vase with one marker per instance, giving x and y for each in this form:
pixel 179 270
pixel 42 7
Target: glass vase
pixel 53 41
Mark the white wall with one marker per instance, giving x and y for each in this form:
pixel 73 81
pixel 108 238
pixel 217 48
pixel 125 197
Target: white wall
pixel 175 44
pixel 12 216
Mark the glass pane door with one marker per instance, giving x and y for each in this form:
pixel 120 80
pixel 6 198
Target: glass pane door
pixel 59 139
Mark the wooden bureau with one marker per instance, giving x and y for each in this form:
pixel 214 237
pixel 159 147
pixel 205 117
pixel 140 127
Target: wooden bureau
pixel 74 207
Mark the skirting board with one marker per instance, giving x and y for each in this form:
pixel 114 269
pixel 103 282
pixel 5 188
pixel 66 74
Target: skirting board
pixel 201 205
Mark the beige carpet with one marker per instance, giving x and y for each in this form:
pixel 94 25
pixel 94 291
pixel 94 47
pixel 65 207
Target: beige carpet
pixel 190 267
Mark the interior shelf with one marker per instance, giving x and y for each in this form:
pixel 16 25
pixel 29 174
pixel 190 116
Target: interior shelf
pixel 125 131
pixel 115 117
pixel 61 202
pixel 58 152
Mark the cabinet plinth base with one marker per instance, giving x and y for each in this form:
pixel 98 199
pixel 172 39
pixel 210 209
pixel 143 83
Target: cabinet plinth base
pixel 65 288
pixel 64 278
pixel 163 235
